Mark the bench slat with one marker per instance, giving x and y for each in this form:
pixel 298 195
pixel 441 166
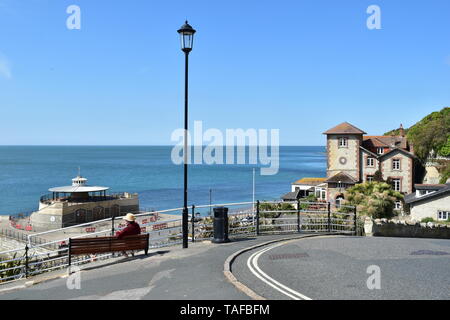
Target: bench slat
pixel 107 244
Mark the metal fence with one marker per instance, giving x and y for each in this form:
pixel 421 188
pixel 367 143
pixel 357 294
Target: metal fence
pixel 47 251
pixel 288 217
pixel 280 218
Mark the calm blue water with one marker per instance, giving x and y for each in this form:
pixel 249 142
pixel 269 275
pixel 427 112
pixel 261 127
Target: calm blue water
pixel 26 173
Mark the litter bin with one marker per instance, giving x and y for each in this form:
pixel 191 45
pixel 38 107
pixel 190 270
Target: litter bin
pixel 220 225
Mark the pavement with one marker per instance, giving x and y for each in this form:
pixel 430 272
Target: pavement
pixel 340 267
pixel 320 268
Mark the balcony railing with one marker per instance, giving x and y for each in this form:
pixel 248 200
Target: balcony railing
pixel 50 198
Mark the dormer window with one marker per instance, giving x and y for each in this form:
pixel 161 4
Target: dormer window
pixel 343 142
pixel 380 150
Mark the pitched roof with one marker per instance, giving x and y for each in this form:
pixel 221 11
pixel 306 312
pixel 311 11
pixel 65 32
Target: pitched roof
pixel 310 181
pixel 385 141
pixel 412 198
pixel 407 153
pixel 345 128
pixel 429 186
pixel 342 177
pixel 369 152
pixel 295 195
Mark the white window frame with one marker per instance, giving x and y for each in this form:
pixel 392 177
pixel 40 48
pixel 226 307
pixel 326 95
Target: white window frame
pixel 343 142
pixel 394 181
pixel 370 162
pixel 443 215
pixel 378 150
pixel 341 185
pixel 398 205
pixel 370 178
pixel 398 166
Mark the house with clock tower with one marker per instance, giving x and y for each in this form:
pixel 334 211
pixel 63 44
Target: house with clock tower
pixel 354 158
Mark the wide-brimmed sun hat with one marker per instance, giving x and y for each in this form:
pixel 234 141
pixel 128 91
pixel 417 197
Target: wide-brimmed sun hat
pixel 129 217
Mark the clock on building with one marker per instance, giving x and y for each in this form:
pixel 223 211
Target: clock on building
pixel 342 160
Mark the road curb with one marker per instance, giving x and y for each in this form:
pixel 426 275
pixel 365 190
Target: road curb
pixel 229 261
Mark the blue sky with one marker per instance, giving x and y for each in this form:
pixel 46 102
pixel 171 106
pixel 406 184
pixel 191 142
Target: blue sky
pixel 298 66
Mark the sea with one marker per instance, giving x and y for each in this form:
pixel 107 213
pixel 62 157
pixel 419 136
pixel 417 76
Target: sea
pixel 27 172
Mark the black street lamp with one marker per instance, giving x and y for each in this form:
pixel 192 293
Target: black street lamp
pixel 187 40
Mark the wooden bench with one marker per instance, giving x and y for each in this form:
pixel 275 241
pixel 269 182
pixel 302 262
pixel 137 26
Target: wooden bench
pixel 107 244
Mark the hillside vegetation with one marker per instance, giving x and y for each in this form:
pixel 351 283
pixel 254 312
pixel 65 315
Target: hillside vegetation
pixel 431 134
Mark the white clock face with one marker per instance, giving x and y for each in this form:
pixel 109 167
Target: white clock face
pixel 342 160
pixel 52 219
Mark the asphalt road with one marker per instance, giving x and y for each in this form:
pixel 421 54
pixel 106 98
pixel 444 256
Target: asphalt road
pixel 337 268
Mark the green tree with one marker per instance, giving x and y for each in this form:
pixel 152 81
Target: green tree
pixel 432 133
pixel 445 149
pixel 378 176
pixel 444 170
pixel 373 199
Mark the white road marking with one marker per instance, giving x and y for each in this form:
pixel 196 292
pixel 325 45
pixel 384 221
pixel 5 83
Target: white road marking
pixel 252 264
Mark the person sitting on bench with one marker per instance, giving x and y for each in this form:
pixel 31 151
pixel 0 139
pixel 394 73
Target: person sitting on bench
pixel 131 229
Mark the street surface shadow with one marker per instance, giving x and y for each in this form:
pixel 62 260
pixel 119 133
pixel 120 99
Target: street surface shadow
pixel 137 256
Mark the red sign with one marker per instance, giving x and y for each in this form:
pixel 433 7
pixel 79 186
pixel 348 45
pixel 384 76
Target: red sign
pixel 91 229
pixel 160 226
pixel 29 228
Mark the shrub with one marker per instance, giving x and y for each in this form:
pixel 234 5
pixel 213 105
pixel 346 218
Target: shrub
pixel 426 220
pixel 282 206
pixel 8 265
pixel 373 199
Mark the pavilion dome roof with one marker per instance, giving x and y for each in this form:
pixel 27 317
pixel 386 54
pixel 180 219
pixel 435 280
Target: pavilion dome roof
pixel 79 185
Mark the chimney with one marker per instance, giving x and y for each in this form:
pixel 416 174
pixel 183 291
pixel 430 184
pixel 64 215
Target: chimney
pixel 402 131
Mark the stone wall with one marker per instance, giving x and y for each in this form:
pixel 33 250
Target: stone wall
pixel 343 159
pixel 63 214
pixel 385 228
pixel 405 172
pixel 366 170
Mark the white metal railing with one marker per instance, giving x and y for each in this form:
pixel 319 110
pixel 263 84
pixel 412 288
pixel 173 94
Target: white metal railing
pixel 36 258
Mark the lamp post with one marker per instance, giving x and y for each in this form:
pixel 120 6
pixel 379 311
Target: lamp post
pixel 187 39
pixel 210 201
